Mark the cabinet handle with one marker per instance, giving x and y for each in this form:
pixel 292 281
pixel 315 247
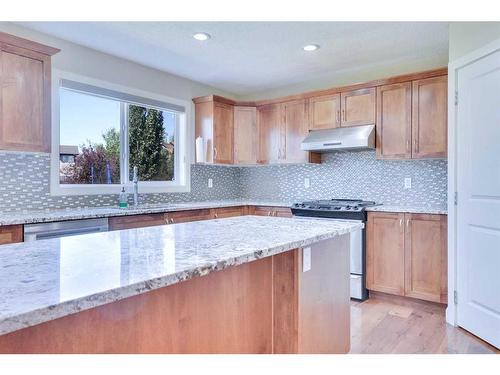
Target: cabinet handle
pixel 215 153
pixel 415 145
pixel 401 223
pixel 407 145
pixel 407 223
pixel 216 216
pixel 269 213
pixel 343 115
pixel 171 220
pixel 337 116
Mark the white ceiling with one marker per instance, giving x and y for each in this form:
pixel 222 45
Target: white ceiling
pixel 247 57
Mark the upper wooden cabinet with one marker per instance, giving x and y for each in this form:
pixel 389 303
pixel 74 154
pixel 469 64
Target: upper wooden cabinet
pixel 246 142
pixel 24 94
pixel 270 123
pixel 324 112
pixel 406 254
pixel 358 107
pixel 295 120
pixel 214 123
pixel 429 118
pixel 394 121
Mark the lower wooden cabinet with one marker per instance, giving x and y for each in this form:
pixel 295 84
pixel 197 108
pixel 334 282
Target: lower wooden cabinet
pixel 270 211
pixel 11 234
pixel 136 221
pixel 406 254
pixel 188 216
pixel 220 213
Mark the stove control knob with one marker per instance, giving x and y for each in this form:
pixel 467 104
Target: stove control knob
pixel 347 207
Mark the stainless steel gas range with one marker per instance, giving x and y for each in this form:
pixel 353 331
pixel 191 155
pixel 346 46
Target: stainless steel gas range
pixel 344 209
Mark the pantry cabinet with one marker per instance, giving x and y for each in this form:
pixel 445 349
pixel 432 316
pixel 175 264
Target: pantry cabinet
pixel 25 94
pixel 406 255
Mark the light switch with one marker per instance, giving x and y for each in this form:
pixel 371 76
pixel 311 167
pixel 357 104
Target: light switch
pixel 306 259
pixel 210 183
pixel 307 183
pixel 408 183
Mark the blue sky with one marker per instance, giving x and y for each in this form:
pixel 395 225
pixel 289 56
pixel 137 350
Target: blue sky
pixel 86 117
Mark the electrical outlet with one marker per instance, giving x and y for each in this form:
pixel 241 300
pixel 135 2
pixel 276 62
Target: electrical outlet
pixel 306 259
pixel 407 182
pixel 307 183
pixel 210 183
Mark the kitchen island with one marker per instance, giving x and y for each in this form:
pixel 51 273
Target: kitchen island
pixel 238 285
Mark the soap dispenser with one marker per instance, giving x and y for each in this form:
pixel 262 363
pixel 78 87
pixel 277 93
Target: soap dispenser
pixel 123 198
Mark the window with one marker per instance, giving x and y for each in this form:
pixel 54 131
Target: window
pixel 104 134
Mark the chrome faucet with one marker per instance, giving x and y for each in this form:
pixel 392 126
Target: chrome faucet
pixel 135 180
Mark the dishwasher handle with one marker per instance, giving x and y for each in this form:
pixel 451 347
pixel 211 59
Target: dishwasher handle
pixel 44 231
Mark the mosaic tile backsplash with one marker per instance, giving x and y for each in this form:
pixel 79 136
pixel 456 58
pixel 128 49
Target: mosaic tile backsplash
pixel 24 182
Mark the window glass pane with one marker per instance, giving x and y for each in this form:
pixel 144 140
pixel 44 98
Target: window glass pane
pixel 151 137
pixel 89 151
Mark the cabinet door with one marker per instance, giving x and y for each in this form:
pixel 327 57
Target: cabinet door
pixel 261 211
pixel 429 122
pixel 283 212
pixel 269 123
pixel 223 133
pixel 296 128
pixel 394 121
pixel 385 252
pixel 188 216
pixel 11 234
pixel 24 100
pixel 358 107
pixel 245 135
pixel 324 112
pixel 426 257
pixel 136 221
pixel 223 212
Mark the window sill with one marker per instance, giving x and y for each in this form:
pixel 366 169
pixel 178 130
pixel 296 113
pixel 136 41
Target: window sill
pixel 62 190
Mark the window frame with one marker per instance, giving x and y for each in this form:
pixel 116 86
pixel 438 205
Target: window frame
pixel 184 131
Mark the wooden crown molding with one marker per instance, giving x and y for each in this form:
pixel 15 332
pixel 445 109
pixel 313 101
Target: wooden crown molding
pixel 27 44
pixel 331 91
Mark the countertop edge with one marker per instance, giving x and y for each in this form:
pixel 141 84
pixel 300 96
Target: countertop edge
pixel 25 320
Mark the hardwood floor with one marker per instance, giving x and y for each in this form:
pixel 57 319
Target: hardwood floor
pixel 386 325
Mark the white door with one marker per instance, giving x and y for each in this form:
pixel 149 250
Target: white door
pixel 478 210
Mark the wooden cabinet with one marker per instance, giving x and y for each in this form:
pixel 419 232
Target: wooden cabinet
pixel 269 121
pixel 214 123
pixel 385 253
pixel 11 234
pixel 426 257
pixel 188 216
pixel 223 212
pixel 270 211
pixel 406 254
pixel 394 121
pixel 295 119
pixel 429 118
pixel 24 95
pixel 246 140
pixel 136 221
pixel 358 107
pixel 324 112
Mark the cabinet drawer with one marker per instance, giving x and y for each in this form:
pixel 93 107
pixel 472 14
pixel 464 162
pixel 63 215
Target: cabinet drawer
pixel 229 211
pixel 189 215
pixel 11 234
pixel 136 221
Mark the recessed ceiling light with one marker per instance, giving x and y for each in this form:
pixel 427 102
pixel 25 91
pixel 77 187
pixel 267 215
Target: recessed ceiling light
pixel 201 36
pixel 311 47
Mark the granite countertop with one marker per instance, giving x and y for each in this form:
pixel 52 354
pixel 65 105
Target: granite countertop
pixel 43 216
pixel 48 279
pixel 410 209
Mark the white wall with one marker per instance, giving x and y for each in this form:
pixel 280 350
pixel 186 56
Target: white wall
pixel 94 64
pixel 465 37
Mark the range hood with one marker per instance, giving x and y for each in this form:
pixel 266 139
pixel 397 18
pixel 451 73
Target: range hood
pixel 355 137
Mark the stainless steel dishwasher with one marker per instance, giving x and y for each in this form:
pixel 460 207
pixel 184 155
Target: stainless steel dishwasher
pixel 42 231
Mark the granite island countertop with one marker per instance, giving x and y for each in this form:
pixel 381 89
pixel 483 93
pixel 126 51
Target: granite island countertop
pixel 49 279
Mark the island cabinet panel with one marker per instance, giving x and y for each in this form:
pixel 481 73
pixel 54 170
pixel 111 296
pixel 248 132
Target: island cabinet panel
pixel 11 234
pixel 228 311
pixel 394 121
pixel 320 322
pixel 426 257
pixel 136 221
pixel 358 107
pixel 189 215
pixel 245 135
pixel 430 118
pixel 385 253
pixel 324 112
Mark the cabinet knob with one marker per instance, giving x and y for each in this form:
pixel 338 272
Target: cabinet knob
pixel 216 216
